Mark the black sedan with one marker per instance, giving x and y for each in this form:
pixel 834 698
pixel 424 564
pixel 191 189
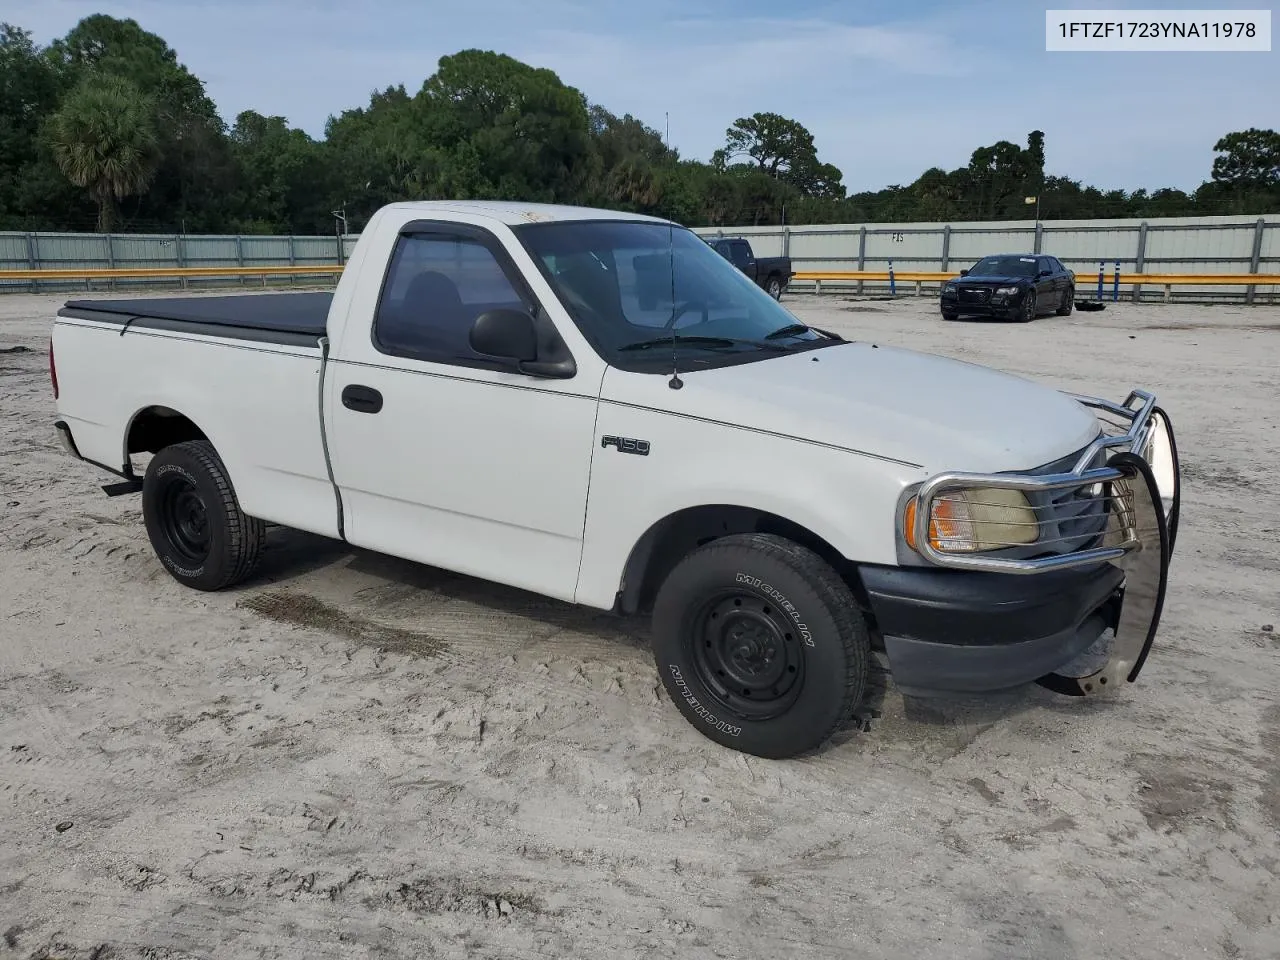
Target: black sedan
pixel 1010 286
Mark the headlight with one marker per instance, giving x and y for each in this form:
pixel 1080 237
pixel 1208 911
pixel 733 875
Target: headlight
pixel 1006 291
pixel 971 521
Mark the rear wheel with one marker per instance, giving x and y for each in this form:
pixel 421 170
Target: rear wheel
pixel 1068 302
pixel 760 645
pixel 194 520
pixel 773 286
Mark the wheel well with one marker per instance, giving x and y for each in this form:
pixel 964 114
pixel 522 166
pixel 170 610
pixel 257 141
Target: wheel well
pixel 155 428
pixel 670 539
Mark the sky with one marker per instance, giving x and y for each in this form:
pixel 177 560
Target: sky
pixel 887 89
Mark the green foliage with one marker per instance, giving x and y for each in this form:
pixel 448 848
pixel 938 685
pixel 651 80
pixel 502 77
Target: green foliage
pixel 104 140
pixel 106 126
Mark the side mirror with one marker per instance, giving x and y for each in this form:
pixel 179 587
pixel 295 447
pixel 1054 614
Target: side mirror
pixel 505 334
pixel 510 336
pixel 964 273
pixel 1045 273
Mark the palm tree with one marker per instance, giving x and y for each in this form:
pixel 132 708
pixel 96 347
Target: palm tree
pixel 104 139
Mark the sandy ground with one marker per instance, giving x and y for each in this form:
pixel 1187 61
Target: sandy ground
pixel 355 756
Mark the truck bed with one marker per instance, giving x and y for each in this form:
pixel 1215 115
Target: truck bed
pixel 279 317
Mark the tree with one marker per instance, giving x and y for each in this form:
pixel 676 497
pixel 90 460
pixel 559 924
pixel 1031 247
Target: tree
pixel 496 127
pixel 29 92
pixel 784 149
pixel 999 176
pixel 194 176
pixel 1249 159
pixel 281 173
pixel 105 142
pixel 773 142
pixel 484 125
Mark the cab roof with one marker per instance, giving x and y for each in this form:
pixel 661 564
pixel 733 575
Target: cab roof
pixel 514 213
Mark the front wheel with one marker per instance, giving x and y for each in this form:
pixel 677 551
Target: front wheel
pixel 194 520
pixel 1028 308
pixel 760 645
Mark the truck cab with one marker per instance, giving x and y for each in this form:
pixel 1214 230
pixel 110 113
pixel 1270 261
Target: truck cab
pixel 597 407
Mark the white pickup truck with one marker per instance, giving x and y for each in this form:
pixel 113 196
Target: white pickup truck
pixel 597 407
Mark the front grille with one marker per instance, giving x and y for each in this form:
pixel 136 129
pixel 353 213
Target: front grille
pixel 975 294
pixel 1070 520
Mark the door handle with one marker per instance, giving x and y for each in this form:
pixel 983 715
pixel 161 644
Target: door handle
pixel 361 399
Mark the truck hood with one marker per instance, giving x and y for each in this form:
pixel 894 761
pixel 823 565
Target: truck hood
pixel 919 409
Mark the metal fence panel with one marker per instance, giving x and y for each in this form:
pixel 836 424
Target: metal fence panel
pixel 1159 246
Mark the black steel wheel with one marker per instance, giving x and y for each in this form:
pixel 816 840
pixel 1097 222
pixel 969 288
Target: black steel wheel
pixel 194 520
pixel 747 654
pixel 184 519
pixel 760 644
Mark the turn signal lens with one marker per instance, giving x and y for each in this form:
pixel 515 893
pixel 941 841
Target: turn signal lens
pixel 971 521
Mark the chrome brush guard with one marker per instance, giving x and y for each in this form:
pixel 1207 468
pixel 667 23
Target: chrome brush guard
pixel 1140 486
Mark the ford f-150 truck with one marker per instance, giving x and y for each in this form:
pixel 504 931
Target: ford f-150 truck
pixel 597 407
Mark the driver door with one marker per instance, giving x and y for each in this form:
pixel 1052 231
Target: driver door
pixel 444 456
pixel 1048 287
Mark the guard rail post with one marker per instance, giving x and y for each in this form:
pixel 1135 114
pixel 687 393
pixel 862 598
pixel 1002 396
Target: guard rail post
pixel 1256 259
pixel 1141 261
pixel 31 260
pixel 862 254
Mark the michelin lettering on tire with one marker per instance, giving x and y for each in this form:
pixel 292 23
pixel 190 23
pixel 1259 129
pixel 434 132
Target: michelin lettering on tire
pixel 703 713
pixel 773 594
pixel 178 469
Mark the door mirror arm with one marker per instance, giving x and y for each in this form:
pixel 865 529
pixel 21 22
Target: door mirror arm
pixel 548 369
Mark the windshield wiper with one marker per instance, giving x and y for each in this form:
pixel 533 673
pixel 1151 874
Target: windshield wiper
pixel 700 341
pixel 794 329
pixel 790 330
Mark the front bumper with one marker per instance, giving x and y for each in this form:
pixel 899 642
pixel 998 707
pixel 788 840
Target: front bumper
pixel 972 306
pixel 982 621
pixel 1000 311
pixel 959 632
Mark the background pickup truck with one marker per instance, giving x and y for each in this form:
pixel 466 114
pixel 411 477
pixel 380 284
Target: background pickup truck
pixel 595 407
pixel 772 274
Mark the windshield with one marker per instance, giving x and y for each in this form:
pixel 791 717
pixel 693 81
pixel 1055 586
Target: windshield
pixel 1005 267
pixel 628 284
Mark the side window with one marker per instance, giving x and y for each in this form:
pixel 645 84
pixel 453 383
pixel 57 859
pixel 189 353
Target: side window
pixel 435 288
pixel 741 254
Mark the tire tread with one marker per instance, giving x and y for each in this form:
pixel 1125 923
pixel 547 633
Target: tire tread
pixel 246 536
pixel 832 592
